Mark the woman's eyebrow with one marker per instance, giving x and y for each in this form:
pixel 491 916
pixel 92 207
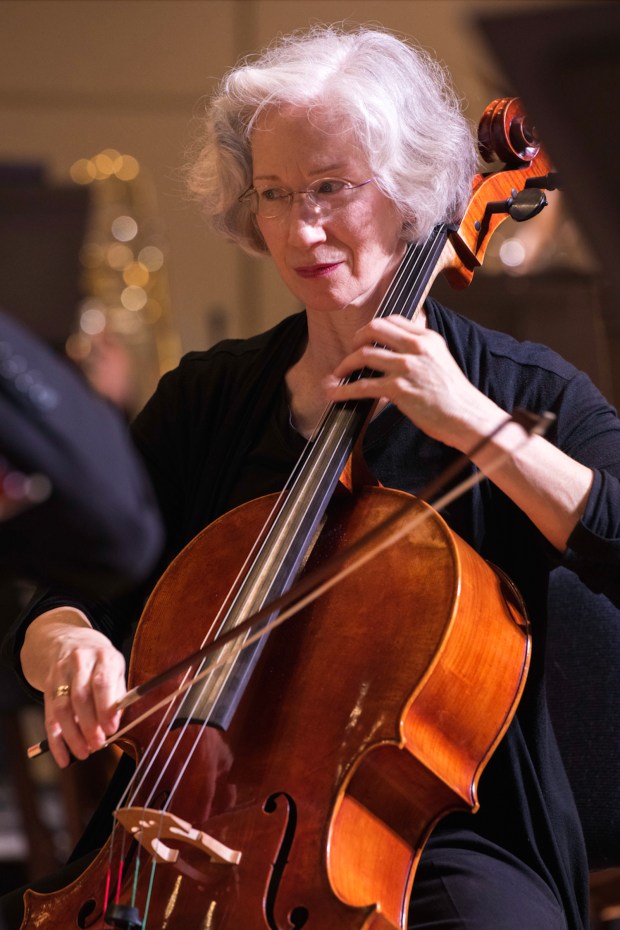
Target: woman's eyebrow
pixel 321 172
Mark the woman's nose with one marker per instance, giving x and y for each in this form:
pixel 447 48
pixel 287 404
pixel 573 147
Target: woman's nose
pixel 305 223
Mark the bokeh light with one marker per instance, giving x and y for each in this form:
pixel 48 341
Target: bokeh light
pixel 124 228
pixel 133 298
pixel 512 253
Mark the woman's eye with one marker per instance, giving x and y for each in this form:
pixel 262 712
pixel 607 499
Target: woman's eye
pixel 330 186
pixel 272 193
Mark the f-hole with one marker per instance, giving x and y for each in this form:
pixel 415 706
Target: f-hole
pixel 298 917
pixel 86 915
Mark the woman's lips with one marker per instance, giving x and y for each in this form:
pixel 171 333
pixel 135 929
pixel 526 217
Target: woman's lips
pixel 316 271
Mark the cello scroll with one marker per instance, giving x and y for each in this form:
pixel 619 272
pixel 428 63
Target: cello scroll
pixel 505 134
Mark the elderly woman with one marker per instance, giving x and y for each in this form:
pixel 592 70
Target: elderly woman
pixel 329 153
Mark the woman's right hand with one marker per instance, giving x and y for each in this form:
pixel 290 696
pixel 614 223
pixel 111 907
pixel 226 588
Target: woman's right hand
pixel 82 677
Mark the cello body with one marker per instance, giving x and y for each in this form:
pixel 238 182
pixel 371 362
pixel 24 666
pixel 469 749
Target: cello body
pixel 368 717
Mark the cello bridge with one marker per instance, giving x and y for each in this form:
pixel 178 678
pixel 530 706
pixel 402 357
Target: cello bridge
pixel 151 827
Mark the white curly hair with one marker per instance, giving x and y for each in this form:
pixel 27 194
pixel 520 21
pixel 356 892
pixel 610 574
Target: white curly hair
pixel 397 99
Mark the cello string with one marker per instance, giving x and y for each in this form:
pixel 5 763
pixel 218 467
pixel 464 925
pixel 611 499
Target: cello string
pixel 134 887
pixel 106 891
pixel 149 894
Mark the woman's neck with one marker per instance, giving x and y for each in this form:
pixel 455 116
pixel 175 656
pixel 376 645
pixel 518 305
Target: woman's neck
pixel 330 339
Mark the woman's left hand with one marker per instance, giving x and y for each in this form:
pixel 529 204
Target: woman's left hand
pixel 419 376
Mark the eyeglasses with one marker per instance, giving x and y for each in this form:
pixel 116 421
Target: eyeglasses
pixel 324 196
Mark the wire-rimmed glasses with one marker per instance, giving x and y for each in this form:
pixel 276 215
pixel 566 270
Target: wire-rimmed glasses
pixel 324 196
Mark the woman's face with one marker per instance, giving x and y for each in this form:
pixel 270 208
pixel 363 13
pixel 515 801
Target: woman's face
pixel 339 259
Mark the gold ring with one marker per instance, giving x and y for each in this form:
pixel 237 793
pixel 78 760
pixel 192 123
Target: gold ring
pixel 62 691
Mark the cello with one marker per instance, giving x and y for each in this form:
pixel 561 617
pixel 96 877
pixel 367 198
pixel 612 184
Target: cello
pixel 241 814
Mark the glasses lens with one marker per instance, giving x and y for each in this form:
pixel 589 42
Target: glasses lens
pixel 270 203
pixel 324 195
pixel 274 205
